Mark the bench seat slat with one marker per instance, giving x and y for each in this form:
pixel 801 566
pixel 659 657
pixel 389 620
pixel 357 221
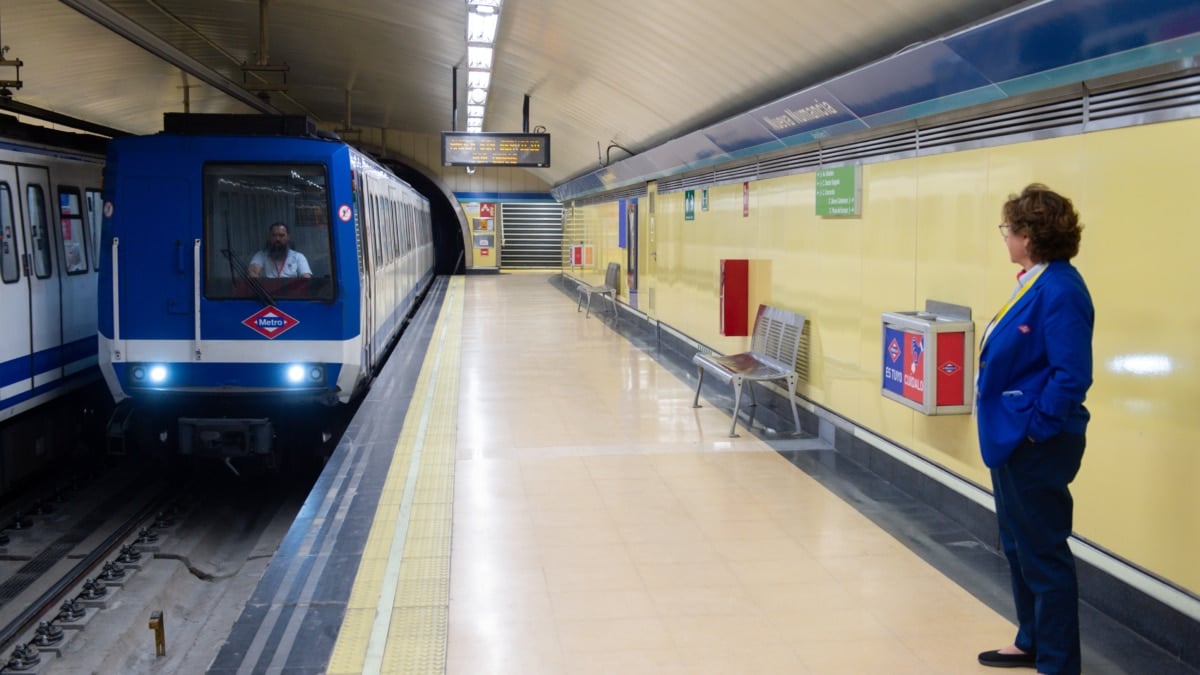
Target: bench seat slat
pixel 749 365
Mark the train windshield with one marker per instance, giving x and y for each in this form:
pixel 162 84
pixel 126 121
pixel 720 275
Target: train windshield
pixel 266 232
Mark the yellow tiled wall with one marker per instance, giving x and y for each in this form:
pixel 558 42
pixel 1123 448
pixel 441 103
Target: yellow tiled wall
pixel 928 231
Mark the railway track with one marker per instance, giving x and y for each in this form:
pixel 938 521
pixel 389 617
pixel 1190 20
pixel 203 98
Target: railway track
pixel 87 565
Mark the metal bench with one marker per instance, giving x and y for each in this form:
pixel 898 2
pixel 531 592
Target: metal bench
pixel 772 356
pixel 612 279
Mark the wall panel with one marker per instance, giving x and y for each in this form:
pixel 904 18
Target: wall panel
pixel 928 231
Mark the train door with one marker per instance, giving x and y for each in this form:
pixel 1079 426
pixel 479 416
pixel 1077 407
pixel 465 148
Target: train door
pixel 45 293
pixel 366 228
pixel 16 342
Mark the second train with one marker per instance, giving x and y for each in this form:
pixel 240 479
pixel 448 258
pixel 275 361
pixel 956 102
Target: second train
pixel 253 275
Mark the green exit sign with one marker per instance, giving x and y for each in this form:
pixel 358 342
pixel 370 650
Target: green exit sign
pixel 839 191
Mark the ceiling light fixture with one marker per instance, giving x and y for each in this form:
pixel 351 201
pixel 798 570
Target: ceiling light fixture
pixel 483 16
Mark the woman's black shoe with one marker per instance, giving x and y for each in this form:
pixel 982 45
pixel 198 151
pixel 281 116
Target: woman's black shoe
pixel 995 659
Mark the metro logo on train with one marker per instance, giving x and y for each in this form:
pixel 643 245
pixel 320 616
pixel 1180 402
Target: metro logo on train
pixel 270 322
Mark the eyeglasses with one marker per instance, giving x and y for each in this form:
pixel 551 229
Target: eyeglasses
pixel 1004 229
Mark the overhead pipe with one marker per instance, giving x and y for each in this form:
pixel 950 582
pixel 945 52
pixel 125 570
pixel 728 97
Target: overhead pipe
pixel 263 40
pixel 606 158
pixel 108 17
pixel 454 98
pixel 59 118
pixel 525 116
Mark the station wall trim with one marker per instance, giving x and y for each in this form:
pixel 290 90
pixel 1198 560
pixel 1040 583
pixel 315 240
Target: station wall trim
pixel 1161 100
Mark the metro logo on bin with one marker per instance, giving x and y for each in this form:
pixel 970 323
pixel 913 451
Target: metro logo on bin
pixel 270 322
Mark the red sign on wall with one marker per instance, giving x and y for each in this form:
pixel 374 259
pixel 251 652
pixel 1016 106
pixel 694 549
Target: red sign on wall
pixel 487 209
pixel 950 353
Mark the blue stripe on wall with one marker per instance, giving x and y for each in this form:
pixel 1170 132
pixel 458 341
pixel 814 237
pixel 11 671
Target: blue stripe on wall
pixel 504 197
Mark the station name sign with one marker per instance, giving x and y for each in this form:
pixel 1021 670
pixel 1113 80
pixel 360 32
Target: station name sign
pixel 495 149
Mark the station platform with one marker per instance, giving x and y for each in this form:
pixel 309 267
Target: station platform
pixel 526 490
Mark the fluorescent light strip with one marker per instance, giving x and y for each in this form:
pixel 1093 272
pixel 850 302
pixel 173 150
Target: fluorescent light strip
pixel 479 58
pixel 483 16
pixel 482 28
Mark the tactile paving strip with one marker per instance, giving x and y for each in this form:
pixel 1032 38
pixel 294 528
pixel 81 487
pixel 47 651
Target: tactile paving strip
pixel 408 548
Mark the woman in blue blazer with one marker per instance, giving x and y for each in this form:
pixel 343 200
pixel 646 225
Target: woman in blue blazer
pixel 1035 367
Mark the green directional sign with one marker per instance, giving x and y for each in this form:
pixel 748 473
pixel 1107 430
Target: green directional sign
pixel 839 191
pixel 689 205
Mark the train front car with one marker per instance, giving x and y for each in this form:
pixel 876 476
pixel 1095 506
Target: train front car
pixel 230 299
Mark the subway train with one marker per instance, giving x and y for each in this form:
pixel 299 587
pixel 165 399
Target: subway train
pixel 254 273
pixel 49 225
pixel 49 221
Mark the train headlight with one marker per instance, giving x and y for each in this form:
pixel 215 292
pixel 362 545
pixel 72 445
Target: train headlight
pixel 295 373
pixel 138 373
pixel 158 374
pixel 316 374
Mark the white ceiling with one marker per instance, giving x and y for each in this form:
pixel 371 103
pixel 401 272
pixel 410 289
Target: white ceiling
pixel 634 72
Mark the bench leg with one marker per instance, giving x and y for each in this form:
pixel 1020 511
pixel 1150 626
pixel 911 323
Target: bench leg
pixel 589 306
pixel 579 305
pixel 737 403
pixel 616 313
pixel 791 380
pixel 699 382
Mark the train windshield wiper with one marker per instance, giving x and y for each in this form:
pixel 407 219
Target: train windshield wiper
pixel 243 273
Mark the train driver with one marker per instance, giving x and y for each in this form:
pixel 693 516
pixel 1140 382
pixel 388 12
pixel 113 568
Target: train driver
pixel 278 260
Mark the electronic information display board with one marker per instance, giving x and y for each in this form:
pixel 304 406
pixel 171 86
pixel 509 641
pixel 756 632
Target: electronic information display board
pixel 495 149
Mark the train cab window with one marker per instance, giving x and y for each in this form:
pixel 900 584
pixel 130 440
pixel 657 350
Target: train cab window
pixel 9 271
pixel 95 215
pixel 39 234
pixel 74 238
pixel 267 230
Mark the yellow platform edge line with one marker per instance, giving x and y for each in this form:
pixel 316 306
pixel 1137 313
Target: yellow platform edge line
pixel 429 429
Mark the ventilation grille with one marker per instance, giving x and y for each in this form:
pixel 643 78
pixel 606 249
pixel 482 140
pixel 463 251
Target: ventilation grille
pixel 632 192
pixel 736 174
pixel 1132 105
pixel 1065 116
pixel 1178 95
pixel 676 184
pixel 785 166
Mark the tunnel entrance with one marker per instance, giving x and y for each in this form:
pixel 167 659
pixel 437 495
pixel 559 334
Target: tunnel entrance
pixel 447 229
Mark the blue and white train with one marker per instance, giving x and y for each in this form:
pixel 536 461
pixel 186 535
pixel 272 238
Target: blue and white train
pixel 206 350
pixel 50 203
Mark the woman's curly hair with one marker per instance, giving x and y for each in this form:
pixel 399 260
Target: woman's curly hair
pixel 1048 219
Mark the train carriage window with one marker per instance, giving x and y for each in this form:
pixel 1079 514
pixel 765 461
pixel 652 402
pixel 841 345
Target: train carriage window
pixel 397 209
pixel 244 205
pixel 40 244
pixel 9 271
pixel 95 215
pixel 70 219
